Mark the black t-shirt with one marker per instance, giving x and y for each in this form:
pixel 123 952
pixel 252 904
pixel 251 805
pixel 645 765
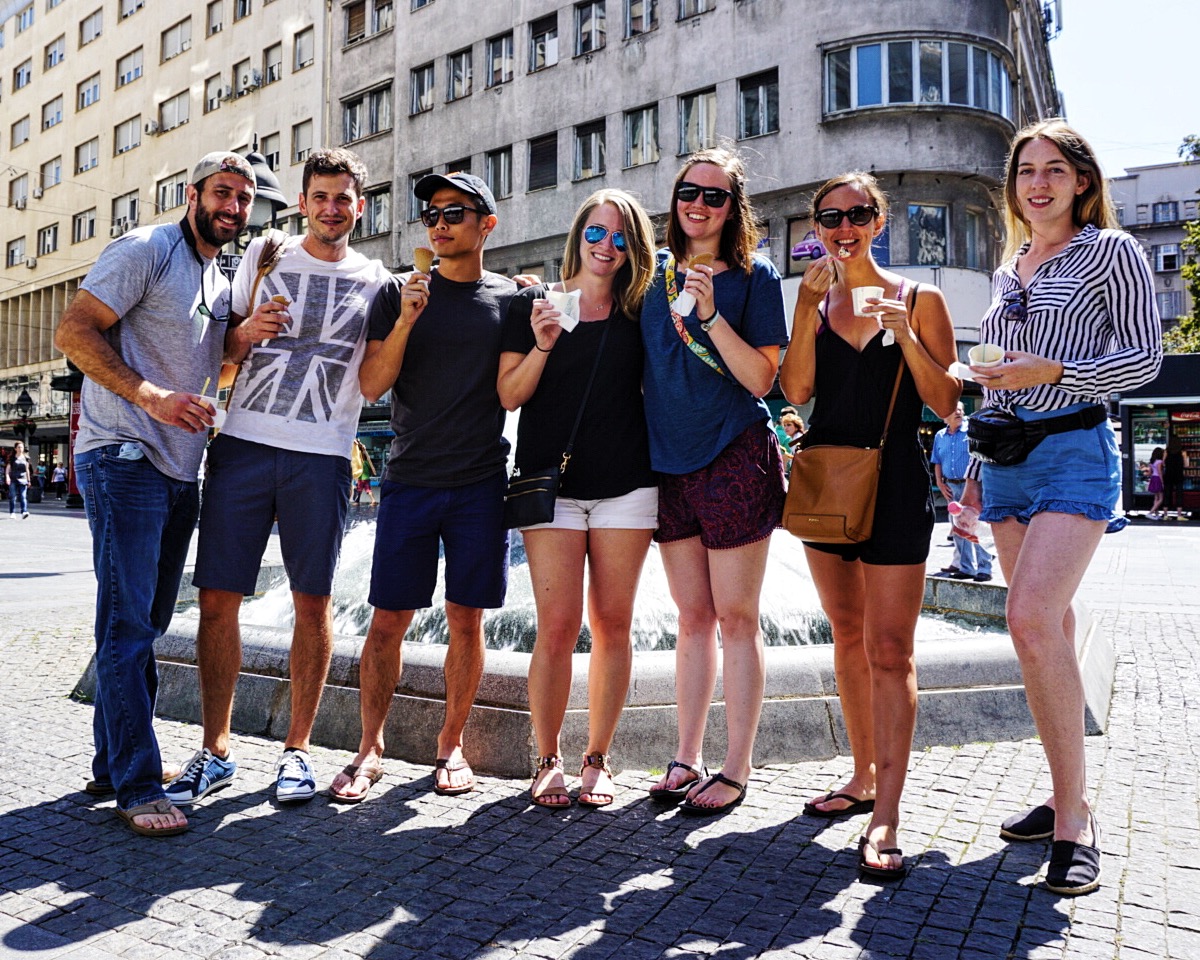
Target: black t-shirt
pixel 446 413
pixel 612 452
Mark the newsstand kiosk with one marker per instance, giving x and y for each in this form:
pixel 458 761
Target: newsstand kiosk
pixel 1168 406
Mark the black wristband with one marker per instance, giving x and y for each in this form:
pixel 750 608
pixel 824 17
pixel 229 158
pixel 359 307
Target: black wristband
pixel 536 347
pixel 710 319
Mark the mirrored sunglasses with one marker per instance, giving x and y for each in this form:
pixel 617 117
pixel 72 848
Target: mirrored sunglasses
pixel 1013 306
pixel 713 196
pixel 859 215
pixel 594 233
pixel 452 214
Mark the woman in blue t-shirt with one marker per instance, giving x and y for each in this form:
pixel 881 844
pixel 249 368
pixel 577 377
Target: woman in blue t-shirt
pixel 721 473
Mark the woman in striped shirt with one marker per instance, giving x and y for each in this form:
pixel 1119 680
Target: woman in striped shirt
pixel 1074 310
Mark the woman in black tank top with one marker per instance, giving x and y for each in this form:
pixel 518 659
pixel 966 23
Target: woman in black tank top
pixel 849 360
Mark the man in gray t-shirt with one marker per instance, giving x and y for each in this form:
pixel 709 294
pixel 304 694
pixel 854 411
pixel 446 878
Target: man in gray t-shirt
pixel 147 329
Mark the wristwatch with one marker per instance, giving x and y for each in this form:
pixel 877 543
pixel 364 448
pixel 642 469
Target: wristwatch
pixel 708 324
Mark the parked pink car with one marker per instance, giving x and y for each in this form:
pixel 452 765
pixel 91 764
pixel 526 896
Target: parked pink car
pixel 809 247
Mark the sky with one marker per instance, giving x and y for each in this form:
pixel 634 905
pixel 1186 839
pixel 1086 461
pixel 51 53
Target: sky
pixel 1128 77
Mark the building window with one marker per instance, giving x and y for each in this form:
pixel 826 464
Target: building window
pixel 130 7
pixel 422 89
pixel 414 205
pixel 367 115
pixel 377 214
pixel 589 150
pixel 928 234
pixel 497 172
pixel 697 121
pixel 641 136
pixel 172 192
pixel 304 47
pixel 87 155
pixel 418 4
pixel 215 20
pixel 20 132
pixel 690 8
pixel 90 27
pixel 18 191
pixel 173 112
pixel 14 254
pixel 214 90
pixel 273 63
pixel 25 19
pixel 83 226
pixel 543 43
pixel 382 17
pixel 1170 304
pixel 500 59
pixel 23 75
pixel 913 71
pixel 543 161
pixel 302 140
pixel 241 8
pixel 125 210
pixel 52 113
pixel 1166 212
pixel 1166 257
pixel 641 16
pixel 356 21
pixel 129 67
pixel 589 27
pixel 458 75
pixel 973 225
pixel 47 240
pixel 177 39
pixel 52 173
pixel 459 166
pixel 127 135
pixel 270 150
pixel 88 92
pixel 56 52
pixel 758 105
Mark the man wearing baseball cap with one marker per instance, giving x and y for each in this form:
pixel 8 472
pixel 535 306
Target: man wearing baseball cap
pixel 433 339
pixel 147 329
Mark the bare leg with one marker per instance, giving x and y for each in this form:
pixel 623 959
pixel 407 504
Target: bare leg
pixel 463 670
pixel 219 658
pixel 686 565
pixel 312 649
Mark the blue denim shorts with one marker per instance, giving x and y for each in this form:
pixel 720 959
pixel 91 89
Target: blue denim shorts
pixel 1076 472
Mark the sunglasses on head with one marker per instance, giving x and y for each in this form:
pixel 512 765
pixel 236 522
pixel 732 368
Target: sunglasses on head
pixel 1013 306
pixel 594 233
pixel 452 214
pixel 859 215
pixel 713 196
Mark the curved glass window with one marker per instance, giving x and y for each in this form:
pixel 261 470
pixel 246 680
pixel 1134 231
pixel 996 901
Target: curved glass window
pixel 920 70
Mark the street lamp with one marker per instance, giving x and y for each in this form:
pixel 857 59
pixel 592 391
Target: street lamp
pixel 268 197
pixel 23 427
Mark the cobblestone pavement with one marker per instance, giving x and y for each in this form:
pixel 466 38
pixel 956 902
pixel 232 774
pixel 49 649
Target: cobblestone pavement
pixel 410 874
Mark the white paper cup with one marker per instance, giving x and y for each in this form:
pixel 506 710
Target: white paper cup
pixel 567 304
pixel 219 416
pixel 859 296
pixel 986 355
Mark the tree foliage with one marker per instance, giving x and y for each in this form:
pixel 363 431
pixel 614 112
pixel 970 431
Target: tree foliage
pixel 1185 336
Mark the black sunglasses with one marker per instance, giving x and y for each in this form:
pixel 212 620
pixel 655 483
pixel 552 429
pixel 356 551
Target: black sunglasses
pixel 1013 306
pixel 714 197
pixel 452 214
pixel 594 233
pixel 859 215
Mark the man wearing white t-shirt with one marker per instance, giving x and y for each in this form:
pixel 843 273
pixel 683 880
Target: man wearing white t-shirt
pixel 284 452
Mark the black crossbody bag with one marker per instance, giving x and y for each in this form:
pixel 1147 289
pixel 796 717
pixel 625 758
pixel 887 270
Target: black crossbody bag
pixel 998 437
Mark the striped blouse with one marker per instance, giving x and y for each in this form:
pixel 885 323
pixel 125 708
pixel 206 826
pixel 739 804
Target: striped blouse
pixel 1091 307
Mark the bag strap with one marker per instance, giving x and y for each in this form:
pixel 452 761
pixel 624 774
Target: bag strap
pixel 912 300
pixel 583 403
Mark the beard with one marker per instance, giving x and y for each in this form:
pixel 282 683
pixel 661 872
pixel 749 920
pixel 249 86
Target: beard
pixel 214 234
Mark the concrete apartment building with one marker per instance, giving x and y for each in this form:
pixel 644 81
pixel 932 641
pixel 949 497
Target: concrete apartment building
pixel 547 100
pixel 1154 202
pixel 105 105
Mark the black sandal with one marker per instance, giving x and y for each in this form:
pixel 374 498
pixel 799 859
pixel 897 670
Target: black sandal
pixel 693 809
pixel 880 873
pixel 675 794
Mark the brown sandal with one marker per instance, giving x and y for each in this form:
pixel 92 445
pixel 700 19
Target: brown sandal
pixel 356 772
pixel 596 761
pixel 542 796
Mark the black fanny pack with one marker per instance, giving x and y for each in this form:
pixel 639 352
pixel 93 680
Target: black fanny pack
pixel 998 437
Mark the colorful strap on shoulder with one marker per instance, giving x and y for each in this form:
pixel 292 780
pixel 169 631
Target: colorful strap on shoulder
pixel 689 341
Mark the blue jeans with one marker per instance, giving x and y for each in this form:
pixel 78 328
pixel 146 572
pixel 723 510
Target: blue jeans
pixel 141 522
pixel 18 494
pixel 969 557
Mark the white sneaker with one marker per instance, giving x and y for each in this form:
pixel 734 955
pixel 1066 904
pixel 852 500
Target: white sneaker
pixel 296 780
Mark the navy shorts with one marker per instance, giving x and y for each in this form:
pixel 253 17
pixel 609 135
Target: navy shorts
pixel 735 500
pixel 1077 472
pixel 468 523
pixel 246 486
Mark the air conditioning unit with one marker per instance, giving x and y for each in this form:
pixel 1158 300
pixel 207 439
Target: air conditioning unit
pixel 31 262
pixel 152 128
pixel 227 93
pixel 20 202
pixel 119 226
pixel 244 85
pixel 214 28
pixel 255 80
pixel 37 193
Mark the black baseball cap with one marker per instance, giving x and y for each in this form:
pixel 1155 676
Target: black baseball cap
pixel 468 183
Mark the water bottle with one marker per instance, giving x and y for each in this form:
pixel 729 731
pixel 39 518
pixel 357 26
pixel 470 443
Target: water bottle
pixel 964 519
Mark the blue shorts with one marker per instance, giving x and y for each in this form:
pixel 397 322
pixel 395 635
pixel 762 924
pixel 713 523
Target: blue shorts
pixel 1076 472
pixel 467 521
pixel 246 486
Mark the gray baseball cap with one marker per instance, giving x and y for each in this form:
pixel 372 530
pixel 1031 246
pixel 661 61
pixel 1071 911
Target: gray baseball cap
pixel 468 183
pixel 222 161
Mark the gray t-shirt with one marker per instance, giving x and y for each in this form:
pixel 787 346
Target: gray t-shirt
pixel 150 278
pixel 446 413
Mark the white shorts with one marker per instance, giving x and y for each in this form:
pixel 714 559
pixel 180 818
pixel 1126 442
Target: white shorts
pixel 637 510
